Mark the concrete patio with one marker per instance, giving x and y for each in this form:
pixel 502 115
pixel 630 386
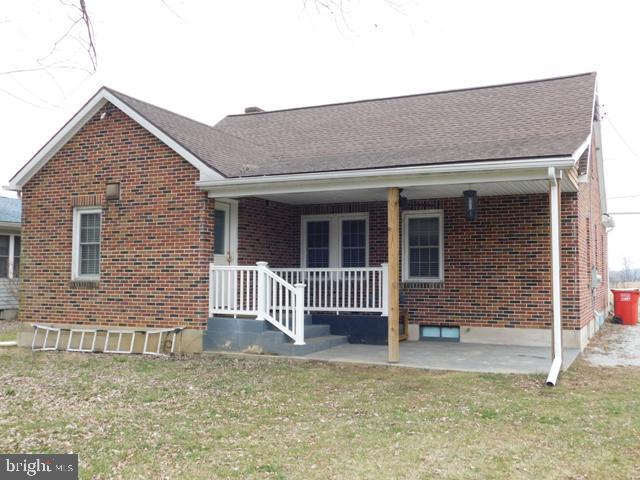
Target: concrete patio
pixel 466 357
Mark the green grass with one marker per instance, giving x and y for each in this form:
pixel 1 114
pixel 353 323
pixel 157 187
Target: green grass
pixel 8 330
pixel 242 417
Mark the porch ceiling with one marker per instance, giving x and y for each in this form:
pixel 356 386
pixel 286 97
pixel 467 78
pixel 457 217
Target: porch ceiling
pixel 417 192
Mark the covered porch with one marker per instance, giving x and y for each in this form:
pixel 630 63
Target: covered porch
pixel 463 357
pixel 433 274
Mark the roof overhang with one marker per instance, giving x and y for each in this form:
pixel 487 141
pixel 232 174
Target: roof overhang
pixel 520 170
pixel 89 109
pixel 13 226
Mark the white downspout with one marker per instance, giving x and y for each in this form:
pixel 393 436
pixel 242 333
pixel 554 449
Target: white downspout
pixel 556 325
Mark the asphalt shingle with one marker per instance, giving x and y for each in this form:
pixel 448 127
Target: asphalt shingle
pixel 541 118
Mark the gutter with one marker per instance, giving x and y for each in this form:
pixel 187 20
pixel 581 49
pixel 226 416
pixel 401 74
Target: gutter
pixel 521 169
pixel 556 325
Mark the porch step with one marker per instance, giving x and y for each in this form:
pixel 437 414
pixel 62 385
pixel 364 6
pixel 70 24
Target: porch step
pixel 233 334
pixel 314 344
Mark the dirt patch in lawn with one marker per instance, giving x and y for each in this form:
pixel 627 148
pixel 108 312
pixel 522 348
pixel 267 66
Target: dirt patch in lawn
pixel 616 345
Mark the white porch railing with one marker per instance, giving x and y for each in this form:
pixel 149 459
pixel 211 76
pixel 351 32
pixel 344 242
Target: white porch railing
pixel 282 295
pixel 257 291
pixel 341 289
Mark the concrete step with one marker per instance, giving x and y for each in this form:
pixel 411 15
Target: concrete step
pixel 311 331
pixel 311 345
pixel 232 334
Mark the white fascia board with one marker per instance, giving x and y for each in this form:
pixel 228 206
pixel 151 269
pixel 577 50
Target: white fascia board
pixel 476 172
pixel 80 119
pixel 57 141
pixel 580 150
pixel 600 165
pixel 203 168
pixel 13 226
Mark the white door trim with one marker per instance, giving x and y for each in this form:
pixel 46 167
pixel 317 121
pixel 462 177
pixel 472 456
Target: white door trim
pixel 230 257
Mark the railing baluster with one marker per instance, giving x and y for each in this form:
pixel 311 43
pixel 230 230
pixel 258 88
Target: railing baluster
pixel 235 290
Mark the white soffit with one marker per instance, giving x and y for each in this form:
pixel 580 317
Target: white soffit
pixel 426 192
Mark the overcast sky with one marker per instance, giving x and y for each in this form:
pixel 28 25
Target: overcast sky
pixel 206 59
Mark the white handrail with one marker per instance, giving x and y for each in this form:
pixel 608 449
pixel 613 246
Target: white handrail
pixel 361 289
pixel 257 291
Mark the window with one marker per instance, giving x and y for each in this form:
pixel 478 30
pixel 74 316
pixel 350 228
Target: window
pixel 9 256
pixel 16 256
pixel 354 246
pixel 437 333
pixel 5 241
pixel 422 246
pixel 335 241
pixel 220 232
pixel 86 244
pixel 318 244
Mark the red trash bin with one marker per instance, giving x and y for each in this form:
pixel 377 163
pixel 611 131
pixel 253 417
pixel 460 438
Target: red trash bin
pixel 625 305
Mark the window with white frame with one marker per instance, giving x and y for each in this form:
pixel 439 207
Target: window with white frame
pixel 423 246
pixel 16 256
pixel 4 255
pixel 9 256
pixel 340 240
pixel 354 243
pixel 86 243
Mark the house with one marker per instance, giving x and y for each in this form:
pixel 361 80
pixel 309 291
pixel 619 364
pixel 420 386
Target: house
pixel 478 215
pixel 9 256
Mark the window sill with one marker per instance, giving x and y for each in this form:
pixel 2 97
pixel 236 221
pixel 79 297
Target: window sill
pixel 85 283
pixel 418 284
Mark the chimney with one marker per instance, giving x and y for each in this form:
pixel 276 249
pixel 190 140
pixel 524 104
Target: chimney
pixel 253 110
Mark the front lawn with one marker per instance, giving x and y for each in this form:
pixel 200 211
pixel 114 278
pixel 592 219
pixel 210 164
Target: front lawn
pixel 8 330
pixel 242 417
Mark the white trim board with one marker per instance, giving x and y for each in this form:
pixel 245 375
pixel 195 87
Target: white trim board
pixel 76 122
pixel 451 174
pixel 406 216
pixel 75 244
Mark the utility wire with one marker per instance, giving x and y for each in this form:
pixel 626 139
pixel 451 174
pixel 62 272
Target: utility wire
pixel 624 196
pixel 617 132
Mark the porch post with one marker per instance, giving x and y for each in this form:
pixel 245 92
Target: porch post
pixel 262 290
pixel 393 254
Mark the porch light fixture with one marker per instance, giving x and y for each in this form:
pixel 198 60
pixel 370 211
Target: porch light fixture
pixel 403 201
pixel 470 204
pixel 112 191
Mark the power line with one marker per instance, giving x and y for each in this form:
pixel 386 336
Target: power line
pixel 617 132
pixel 624 196
pixel 623 213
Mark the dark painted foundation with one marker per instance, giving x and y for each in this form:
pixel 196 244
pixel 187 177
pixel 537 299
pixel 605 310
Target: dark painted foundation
pixel 367 329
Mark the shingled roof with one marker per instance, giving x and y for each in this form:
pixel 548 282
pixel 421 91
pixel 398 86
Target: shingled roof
pixel 542 118
pixel 10 210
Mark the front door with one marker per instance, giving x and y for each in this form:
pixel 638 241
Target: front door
pixel 222 250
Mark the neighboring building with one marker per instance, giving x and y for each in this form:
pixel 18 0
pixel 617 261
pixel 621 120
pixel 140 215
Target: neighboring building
pixel 10 213
pixel 128 205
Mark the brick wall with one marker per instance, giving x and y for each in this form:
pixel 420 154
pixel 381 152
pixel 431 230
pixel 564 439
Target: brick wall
pixel 156 240
pixel 497 268
pixel 267 233
pixel 592 246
